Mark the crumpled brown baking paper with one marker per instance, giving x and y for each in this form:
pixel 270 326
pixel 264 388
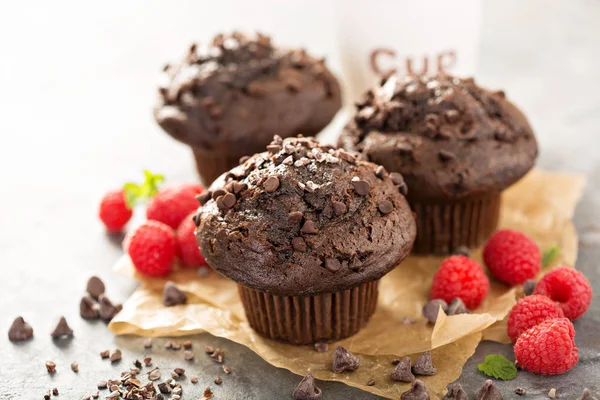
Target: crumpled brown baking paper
pixel 541 205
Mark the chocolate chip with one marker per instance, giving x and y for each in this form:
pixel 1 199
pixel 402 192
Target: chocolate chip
pixel 229 200
pixel 307 390
pixel 529 287
pixel 107 309
pixel 343 360
pixel 380 172
pixel 218 193
pixel 148 361
pixel 321 347
pixel 456 392
pixel 587 395
pixel 95 287
pixel 164 388
pixel 20 330
pixel 385 206
pixel 356 264
pixel 51 367
pixel 299 244
pixel 238 187
pixel 271 184
pixel 344 155
pixel 301 162
pixel 74 367
pixel 105 354
pixel 451 116
pixel 520 391
pixel 102 384
pixel 417 391
pixel 488 391
pixel 208 393
pixel 88 308
pixel 295 217
pixel 273 148
pixel 398 180
pixel 457 306
pixel 55 391
pixel 361 187
pixel 339 208
pixel 62 329
pixel 188 355
pixel 194 379
pixel 204 197
pixel 432 308
pixel 309 227
pixel 445 155
pixel 402 372
pixel 154 375
pixel 218 380
pixel 115 355
pixel 424 365
pixel 333 264
pixel 462 251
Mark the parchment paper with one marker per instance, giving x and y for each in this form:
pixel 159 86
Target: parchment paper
pixel 541 205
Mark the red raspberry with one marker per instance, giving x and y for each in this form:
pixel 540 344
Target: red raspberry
pixel 548 348
pixel 462 277
pixel 529 312
pixel 172 205
pixel 187 246
pixel 114 211
pixel 152 248
pixel 512 257
pixel 569 288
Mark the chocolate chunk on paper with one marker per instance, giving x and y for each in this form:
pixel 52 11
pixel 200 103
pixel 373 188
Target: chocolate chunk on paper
pixel 344 361
pixel 424 365
pixel 402 371
pixel 172 296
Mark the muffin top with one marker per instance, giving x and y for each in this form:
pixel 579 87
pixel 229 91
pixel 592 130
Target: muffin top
pixel 241 89
pixel 448 137
pixel 303 219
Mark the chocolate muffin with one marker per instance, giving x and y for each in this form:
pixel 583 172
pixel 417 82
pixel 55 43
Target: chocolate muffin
pixel 306 231
pixel 227 100
pixel 456 144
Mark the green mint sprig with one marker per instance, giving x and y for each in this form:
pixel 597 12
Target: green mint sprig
pixel 139 193
pixel 550 255
pixel 498 367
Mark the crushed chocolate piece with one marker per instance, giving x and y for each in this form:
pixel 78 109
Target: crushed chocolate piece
pixel 95 287
pixel 226 369
pixel 398 181
pixel 401 371
pixel 462 251
pixel 309 227
pixel 299 244
pixel 107 309
pixel 209 350
pixel 74 367
pixel 218 355
pixel 333 265
pixel 154 375
pixel 289 160
pixel 55 391
pixel 456 392
pixel 172 296
pixel 295 217
pixel 88 308
pixel 432 308
pixel 371 382
pixel 307 389
pixel 137 364
pixel 208 393
pixel 51 366
pixel 361 187
pixel 271 184
pixel 194 379
pixel 218 380
pixel 424 365
pixel 105 354
pixel 62 329
pixel 339 208
pixel 20 330
pixel 488 391
pixel 457 306
pixel 417 391
pixel 102 384
pixel 385 207
pixel 115 356
pixel 343 360
pixel 529 287
pixel 321 347
pixel 148 361
pixel 520 391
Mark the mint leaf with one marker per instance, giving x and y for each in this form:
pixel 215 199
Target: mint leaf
pixel 498 367
pixel 139 193
pixel 550 255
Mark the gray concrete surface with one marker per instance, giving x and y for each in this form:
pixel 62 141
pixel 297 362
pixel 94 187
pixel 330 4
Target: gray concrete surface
pixel 63 144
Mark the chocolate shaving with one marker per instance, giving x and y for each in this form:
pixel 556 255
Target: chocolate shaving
pixel 62 329
pixel 20 330
pixel 402 372
pixel 343 360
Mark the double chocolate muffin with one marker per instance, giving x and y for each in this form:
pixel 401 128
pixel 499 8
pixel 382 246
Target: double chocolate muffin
pixel 306 231
pixel 457 146
pixel 227 100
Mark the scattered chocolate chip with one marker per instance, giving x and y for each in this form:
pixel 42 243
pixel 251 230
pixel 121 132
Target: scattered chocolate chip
pixel 55 391
pixel 88 308
pixel 47 395
pixel 62 329
pixel 20 330
pixel 380 172
pixel 74 367
pixel 203 198
pixel 417 391
pixel 361 187
pixel 115 355
pixel 398 181
pixel 105 354
pixel 209 350
pixel 172 296
pixel 333 265
pixel 148 343
pixel 102 384
pixel 137 364
pixel 164 388
pixel 321 347
pixel 587 395
pixel 457 306
pixel 520 391
pixel 385 207
pixel 424 365
pixel 194 379
pixel 229 200
pixel 175 346
pixel 529 287
pixel 288 160
pixel 238 187
pixel 179 371
pixel 95 287
pixel 401 371
pixel 218 193
pixel 188 355
pixel 446 156
pixel 299 244
pixel 51 366
pixel 456 392
pixel 107 309
pixel 488 391
pixel 218 380
pixel 218 355
pixel 309 227
pixel 148 361
pixel 343 360
pixel 154 375
pixel 339 208
pixel 208 393
pixel 432 308
pixel 462 251
pixel 307 389
pixel 226 369
pixel 356 264
pixel 271 184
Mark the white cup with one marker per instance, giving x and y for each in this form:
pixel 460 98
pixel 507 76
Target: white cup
pixel 380 37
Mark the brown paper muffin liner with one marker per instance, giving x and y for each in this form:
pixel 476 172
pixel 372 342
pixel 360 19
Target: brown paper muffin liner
pixel 212 163
pixel 442 227
pixel 311 319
